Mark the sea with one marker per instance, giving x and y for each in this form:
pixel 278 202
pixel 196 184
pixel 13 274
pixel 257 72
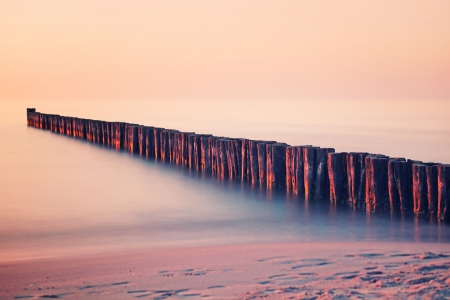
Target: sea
pixel 61 196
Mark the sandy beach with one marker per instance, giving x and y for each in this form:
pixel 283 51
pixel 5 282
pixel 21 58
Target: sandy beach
pixel 276 271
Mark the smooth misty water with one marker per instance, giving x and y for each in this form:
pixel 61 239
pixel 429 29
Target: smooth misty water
pixel 64 196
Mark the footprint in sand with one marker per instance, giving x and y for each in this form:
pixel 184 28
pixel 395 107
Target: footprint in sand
pixel 275 276
pixel 270 258
pixel 375 273
pixel 401 255
pixel 430 255
pixel 344 275
pixel 137 292
pixel 432 268
pixel 56 296
pixel 102 285
pixel 370 254
pixel 420 280
pixel 216 287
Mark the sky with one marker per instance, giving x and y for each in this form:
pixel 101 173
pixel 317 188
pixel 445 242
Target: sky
pixel 203 49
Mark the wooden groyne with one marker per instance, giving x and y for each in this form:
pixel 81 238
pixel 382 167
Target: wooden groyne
pixel 364 181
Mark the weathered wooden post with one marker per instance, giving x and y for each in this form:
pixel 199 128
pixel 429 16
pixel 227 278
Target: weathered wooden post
pixel 231 159
pixel 112 135
pixel 89 130
pixel 279 166
pixel 104 132
pixel 191 152
pixel 119 135
pixel 197 152
pixel 420 189
pixel 157 142
pixel 61 125
pixel 262 162
pixel 252 153
pixel 205 153
pixel 235 158
pixel 75 127
pixel 310 169
pixel 133 139
pixel 244 161
pixel 172 145
pixel 400 186
pixel 291 159
pixel 215 156
pixel 270 177
pixel 99 132
pixel 223 163
pixel 142 133
pixel 337 171
pixel 53 123
pixel 443 213
pixel 43 121
pixel 30 112
pixel 377 191
pixel 150 143
pixel 185 142
pixel 83 129
pixel 356 179
pixel 164 144
pixel 322 186
pixel 432 189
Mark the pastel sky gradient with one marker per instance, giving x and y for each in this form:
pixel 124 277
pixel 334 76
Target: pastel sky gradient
pixel 206 49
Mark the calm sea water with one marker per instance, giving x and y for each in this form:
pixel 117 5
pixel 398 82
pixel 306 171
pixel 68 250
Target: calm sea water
pixel 63 196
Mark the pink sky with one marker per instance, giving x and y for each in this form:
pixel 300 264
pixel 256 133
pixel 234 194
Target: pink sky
pixel 52 49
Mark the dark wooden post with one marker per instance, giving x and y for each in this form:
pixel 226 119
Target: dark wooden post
pixel 420 189
pixel 262 162
pixel 444 193
pixel 377 191
pixel 337 171
pixel 30 112
pixel 356 179
pixel 400 186
pixel 432 189
pixel 279 166
pixel 223 159
pixel 310 168
pixel 322 186
pixel 231 159
pixel 205 153
pixel 244 161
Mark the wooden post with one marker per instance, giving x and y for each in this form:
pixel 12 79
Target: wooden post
pixel 205 153
pixel 432 190
pixel 310 169
pixel 356 179
pixel 322 185
pixel 262 162
pixel 400 187
pixel 377 191
pixel 337 170
pixel 443 213
pixel 420 189
pixel 30 112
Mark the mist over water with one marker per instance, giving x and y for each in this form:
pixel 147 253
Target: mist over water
pixel 64 196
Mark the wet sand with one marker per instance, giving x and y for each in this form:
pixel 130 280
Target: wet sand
pixel 275 271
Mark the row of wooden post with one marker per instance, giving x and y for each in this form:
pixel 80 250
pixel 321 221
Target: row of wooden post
pixel 372 182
